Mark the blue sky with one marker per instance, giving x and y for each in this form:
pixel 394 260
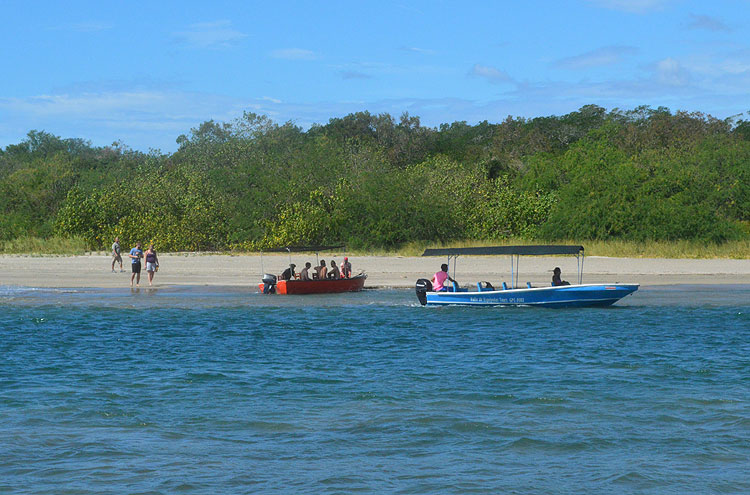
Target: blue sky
pixel 145 72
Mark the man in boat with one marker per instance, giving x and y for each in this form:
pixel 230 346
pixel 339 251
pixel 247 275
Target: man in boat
pixel 346 268
pixel 322 270
pixel 556 279
pixel 438 281
pixel 304 275
pixel 334 273
pixel 289 274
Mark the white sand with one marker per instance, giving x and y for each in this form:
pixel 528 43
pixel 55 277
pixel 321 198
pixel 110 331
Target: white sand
pixel 245 270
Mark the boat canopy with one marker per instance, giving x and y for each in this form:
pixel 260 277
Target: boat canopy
pixel 538 250
pixel 515 252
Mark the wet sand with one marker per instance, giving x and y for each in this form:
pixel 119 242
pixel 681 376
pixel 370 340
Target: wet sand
pixel 382 271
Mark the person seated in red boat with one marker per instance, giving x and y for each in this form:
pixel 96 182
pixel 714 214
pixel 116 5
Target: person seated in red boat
pixel 289 274
pixel 334 272
pixel 438 281
pixel 321 271
pixel 556 279
pixel 346 268
pixel 304 275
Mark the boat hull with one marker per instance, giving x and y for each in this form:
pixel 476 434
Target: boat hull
pixel 554 297
pixel 329 286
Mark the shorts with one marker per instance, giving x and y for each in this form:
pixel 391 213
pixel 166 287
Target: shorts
pixel 117 257
pixel 150 267
pixel 136 267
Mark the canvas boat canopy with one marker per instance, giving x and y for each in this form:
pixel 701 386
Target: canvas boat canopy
pixel 538 250
pixel 515 253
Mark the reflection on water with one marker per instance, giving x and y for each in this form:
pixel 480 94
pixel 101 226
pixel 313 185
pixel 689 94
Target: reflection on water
pixel 217 296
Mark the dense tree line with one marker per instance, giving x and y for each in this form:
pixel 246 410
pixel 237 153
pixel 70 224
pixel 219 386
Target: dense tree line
pixel 375 181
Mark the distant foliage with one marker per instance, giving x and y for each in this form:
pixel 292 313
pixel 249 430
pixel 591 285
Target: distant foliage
pixel 376 181
pixel 173 209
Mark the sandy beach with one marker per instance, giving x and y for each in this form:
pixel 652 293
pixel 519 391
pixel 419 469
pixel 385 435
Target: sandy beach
pixel 245 270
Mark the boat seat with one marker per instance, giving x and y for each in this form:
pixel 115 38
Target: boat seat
pixel 487 286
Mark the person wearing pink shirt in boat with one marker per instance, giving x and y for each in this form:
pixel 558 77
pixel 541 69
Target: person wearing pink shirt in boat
pixel 438 281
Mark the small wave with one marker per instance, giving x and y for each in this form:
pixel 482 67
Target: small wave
pixel 542 400
pixel 272 426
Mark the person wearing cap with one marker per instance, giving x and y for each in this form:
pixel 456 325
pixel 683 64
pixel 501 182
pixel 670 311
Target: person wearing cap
pixel 288 274
pixel 346 268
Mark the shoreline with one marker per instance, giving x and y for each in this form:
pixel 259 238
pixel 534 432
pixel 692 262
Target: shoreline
pixel 196 269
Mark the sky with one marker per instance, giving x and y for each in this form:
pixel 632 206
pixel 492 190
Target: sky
pixel 143 73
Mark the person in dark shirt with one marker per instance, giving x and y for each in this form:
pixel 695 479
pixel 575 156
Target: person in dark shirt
pixel 135 263
pixel 152 263
pixel 556 281
pixel 288 274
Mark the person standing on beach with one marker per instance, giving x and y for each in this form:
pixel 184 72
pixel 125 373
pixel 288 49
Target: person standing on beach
pixel 116 254
pixel 152 263
pixel 135 264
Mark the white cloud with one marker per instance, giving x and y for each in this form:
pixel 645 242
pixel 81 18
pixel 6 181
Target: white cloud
pixel 600 57
pixel 350 74
pixel 492 74
pixel 670 73
pixel 707 23
pixel 294 54
pixel 140 118
pixel 632 6
pixel 217 34
pixel 91 27
pixel 421 51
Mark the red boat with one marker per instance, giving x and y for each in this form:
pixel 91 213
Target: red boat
pixel 329 286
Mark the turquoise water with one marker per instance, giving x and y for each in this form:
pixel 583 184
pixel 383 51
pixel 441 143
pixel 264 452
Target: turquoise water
pixel 223 391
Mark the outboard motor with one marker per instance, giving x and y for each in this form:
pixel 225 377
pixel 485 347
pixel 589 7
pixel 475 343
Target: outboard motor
pixel 423 287
pixel 269 283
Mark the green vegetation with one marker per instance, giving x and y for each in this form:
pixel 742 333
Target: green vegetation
pixel 640 181
pixel 40 246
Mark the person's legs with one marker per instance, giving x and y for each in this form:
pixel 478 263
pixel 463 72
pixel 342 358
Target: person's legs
pixel 150 277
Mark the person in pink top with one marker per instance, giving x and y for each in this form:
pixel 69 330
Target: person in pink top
pixel 438 281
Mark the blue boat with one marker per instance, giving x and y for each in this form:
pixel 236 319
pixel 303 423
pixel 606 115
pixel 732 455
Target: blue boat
pixel 484 294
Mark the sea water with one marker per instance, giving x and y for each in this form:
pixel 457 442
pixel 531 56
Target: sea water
pixel 225 391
